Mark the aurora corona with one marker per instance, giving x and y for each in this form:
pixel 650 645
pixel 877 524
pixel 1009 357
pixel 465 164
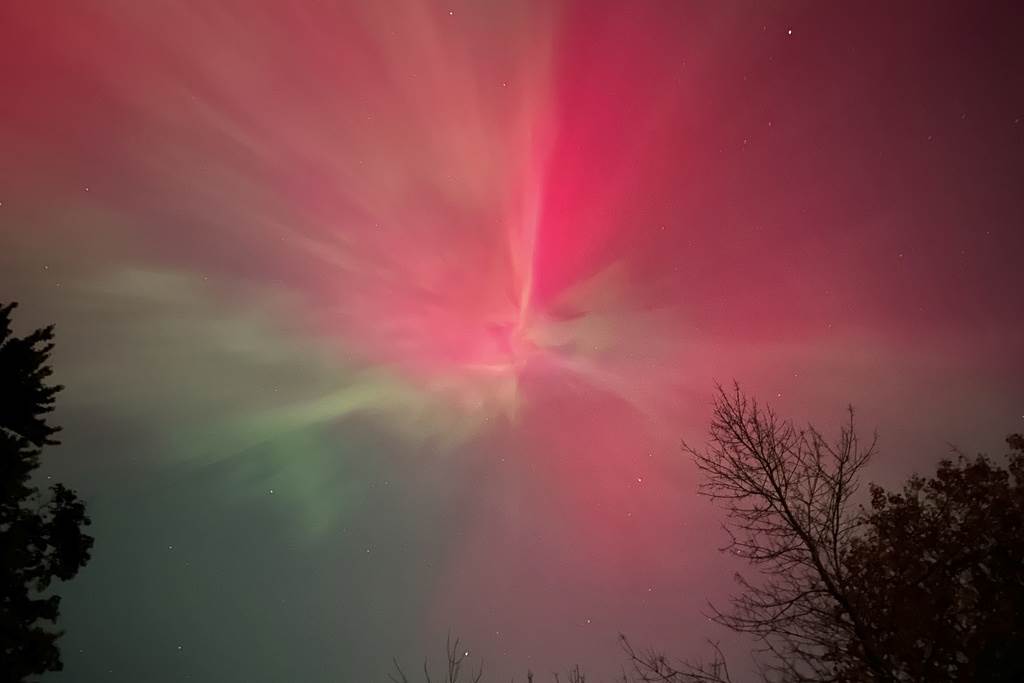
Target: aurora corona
pixel 383 318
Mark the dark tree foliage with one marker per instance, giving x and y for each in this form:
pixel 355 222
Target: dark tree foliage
pixel 939 572
pixel 926 584
pixel 41 536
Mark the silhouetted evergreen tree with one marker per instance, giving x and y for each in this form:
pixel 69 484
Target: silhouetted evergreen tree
pixel 41 537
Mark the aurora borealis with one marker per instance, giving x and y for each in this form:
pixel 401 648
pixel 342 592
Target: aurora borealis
pixel 380 319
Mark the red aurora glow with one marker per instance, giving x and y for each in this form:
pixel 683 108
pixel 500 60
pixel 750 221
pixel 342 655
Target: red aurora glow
pixel 451 280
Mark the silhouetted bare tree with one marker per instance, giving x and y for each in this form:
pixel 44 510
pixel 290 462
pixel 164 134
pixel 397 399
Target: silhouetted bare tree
pixel 456 656
pixel 787 493
pixel 651 666
pixel 925 584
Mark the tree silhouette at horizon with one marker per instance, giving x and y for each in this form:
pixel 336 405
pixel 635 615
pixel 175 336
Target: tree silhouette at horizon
pixel 41 533
pixel 924 583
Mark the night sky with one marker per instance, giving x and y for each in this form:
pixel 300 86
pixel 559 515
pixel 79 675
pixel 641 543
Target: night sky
pixel 380 319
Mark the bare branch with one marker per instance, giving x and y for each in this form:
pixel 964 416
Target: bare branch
pixel 787 496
